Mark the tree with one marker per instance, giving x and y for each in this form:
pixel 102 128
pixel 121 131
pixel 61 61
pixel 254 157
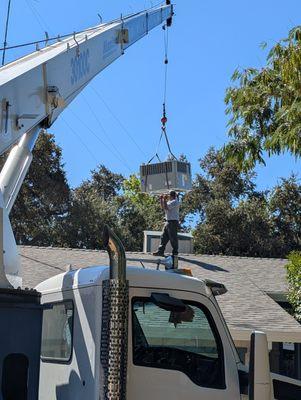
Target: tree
pixel 147 205
pixel 285 208
pixel 232 217
pixel 242 230
pixel 265 106
pixel 94 204
pixel 88 214
pixel 294 282
pixel 43 201
pixel 132 223
pixel 219 179
pixel 104 182
pixel 106 198
pixel 138 212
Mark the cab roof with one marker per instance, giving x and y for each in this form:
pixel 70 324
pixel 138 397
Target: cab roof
pixel 138 277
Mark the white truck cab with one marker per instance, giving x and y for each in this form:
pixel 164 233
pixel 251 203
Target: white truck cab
pixel 171 355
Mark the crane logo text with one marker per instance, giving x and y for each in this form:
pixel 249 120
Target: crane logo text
pixel 109 48
pixel 79 66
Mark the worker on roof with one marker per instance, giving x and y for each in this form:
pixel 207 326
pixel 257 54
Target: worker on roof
pixel 171 206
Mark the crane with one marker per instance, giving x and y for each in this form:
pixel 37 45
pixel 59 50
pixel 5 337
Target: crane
pixel 35 90
pixel 87 311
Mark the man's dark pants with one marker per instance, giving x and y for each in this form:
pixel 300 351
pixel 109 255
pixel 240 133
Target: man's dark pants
pixel 170 233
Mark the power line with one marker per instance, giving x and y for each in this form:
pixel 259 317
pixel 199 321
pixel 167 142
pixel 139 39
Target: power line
pixel 35 15
pixel 43 25
pixel 38 16
pixel 120 156
pixel 118 120
pixel 100 140
pixel 104 131
pixel 80 139
pixel 117 153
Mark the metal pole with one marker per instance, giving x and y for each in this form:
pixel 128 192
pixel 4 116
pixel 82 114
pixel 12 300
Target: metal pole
pixel 16 166
pixel 4 283
pixel 6 31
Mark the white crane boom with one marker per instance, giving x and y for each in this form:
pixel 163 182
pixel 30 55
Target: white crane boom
pixel 35 89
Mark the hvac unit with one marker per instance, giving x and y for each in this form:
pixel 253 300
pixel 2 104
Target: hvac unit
pixel 161 177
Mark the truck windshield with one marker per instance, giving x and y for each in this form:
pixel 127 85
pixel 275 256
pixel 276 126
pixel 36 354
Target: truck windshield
pixel 186 341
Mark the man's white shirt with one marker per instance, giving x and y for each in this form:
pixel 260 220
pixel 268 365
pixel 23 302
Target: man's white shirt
pixel 172 211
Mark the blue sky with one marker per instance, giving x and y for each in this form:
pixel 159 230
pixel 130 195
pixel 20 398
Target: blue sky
pixel 116 121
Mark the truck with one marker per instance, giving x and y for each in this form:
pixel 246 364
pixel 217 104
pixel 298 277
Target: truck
pixel 106 332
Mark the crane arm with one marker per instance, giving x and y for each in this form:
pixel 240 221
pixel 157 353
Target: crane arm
pixel 35 89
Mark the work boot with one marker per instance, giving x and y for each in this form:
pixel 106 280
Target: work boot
pixel 159 253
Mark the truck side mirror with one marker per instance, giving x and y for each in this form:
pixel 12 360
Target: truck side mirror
pixel 259 368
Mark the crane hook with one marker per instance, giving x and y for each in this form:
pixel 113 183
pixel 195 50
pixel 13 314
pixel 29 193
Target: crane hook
pixel 164 118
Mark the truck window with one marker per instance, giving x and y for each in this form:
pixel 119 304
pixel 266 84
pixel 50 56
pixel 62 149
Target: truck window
pixel 57 332
pixel 186 341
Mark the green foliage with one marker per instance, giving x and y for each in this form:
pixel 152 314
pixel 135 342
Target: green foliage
pixel 132 222
pixel 264 106
pixel 43 201
pixel 148 206
pixel 107 198
pixel 294 282
pixel 235 219
pixel 285 209
pixel 93 205
pixel 132 191
pixel 228 215
pixel 243 230
pixel 104 183
pixel 87 217
pixel 142 201
pixel 219 179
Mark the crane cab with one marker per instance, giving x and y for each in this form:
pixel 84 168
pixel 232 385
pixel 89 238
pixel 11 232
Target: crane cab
pixel 157 178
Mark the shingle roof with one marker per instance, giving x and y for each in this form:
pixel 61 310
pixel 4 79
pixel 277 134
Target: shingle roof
pixel 246 306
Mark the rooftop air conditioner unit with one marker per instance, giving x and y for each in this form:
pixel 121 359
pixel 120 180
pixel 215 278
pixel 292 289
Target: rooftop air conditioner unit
pixel 164 176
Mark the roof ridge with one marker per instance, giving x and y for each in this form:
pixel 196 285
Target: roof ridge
pixel 142 253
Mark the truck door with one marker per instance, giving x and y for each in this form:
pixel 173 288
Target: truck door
pixel 176 355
